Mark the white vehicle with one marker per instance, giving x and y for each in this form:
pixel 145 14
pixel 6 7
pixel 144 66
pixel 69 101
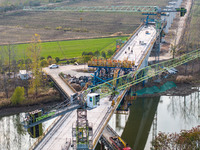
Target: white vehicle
pixel 52 66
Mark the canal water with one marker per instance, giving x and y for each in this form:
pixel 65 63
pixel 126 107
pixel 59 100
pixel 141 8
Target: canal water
pixel 173 113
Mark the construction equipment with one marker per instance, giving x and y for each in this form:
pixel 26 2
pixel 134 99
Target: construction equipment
pixel 119 144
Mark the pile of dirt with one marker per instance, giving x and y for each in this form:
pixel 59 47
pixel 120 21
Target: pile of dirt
pixel 77 87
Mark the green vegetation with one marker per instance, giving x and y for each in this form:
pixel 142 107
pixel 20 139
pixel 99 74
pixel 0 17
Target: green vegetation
pixel 186 139
pixel 73 48
pixel 18 95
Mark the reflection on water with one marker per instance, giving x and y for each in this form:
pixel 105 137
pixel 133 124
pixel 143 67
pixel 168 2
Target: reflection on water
pixel 174 113
pixel 13 136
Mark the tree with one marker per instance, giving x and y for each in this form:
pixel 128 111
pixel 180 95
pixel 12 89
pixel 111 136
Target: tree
pixel 186 139
pixel 103 54
pixel 10 54
pixel 18 95
pixel 48 57
pixel 173 49
pixel 57 59
pixel 84 53
pixel 34 54
pixel 44 63
pixel 90 53
pixel 97 53
pixel 50 61
pixel 110 52
pixel 5 81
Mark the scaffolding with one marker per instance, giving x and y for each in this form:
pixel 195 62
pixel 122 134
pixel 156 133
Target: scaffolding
pixel 82 131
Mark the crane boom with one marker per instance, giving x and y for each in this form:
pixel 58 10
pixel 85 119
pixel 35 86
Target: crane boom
pixel 142 9
pixel 96 8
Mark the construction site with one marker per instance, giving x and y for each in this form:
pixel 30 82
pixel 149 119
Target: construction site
pixel 95 94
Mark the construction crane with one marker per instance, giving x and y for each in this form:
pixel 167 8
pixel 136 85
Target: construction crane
pixel 34 119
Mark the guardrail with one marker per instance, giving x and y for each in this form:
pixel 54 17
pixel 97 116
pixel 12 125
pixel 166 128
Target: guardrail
pixel 108 116
pixel 122 46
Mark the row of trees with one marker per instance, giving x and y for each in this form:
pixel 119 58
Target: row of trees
pixel 99 54
pixel 86 56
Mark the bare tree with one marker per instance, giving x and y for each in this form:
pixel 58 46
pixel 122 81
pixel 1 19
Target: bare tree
pixel 3 69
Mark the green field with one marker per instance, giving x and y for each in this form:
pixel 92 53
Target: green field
pixel 72 48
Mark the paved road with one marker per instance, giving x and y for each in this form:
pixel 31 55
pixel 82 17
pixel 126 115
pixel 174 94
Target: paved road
pixel 138 45
pixel 69 69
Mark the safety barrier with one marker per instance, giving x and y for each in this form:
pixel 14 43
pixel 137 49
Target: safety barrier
pixel 108 116
pixel 122 46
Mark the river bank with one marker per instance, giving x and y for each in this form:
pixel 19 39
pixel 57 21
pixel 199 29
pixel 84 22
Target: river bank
pixel 181 89
pixel 45 103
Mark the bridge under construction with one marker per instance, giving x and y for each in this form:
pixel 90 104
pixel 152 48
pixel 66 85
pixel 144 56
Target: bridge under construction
pixel 81 129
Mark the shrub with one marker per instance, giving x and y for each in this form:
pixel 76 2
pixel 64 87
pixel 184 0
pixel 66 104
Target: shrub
pixel 90 53
pixel 44 63
pixel 97 53
pixel 84 53
pixel 41 58
pixel 57 59
pixel 50 61
pixel 48 57
pixel 18 95
pixel 110 53
pixel 103 54
pixel 47 28
pixel 67 29
pixel 186 139
pixel 59 28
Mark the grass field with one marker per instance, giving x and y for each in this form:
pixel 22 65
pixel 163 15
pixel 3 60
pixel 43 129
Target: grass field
pixel 72 48
pixel 19 26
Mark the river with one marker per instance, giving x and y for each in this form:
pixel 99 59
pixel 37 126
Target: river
pixel 149 115
pixel 173 113
pixel 13 135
